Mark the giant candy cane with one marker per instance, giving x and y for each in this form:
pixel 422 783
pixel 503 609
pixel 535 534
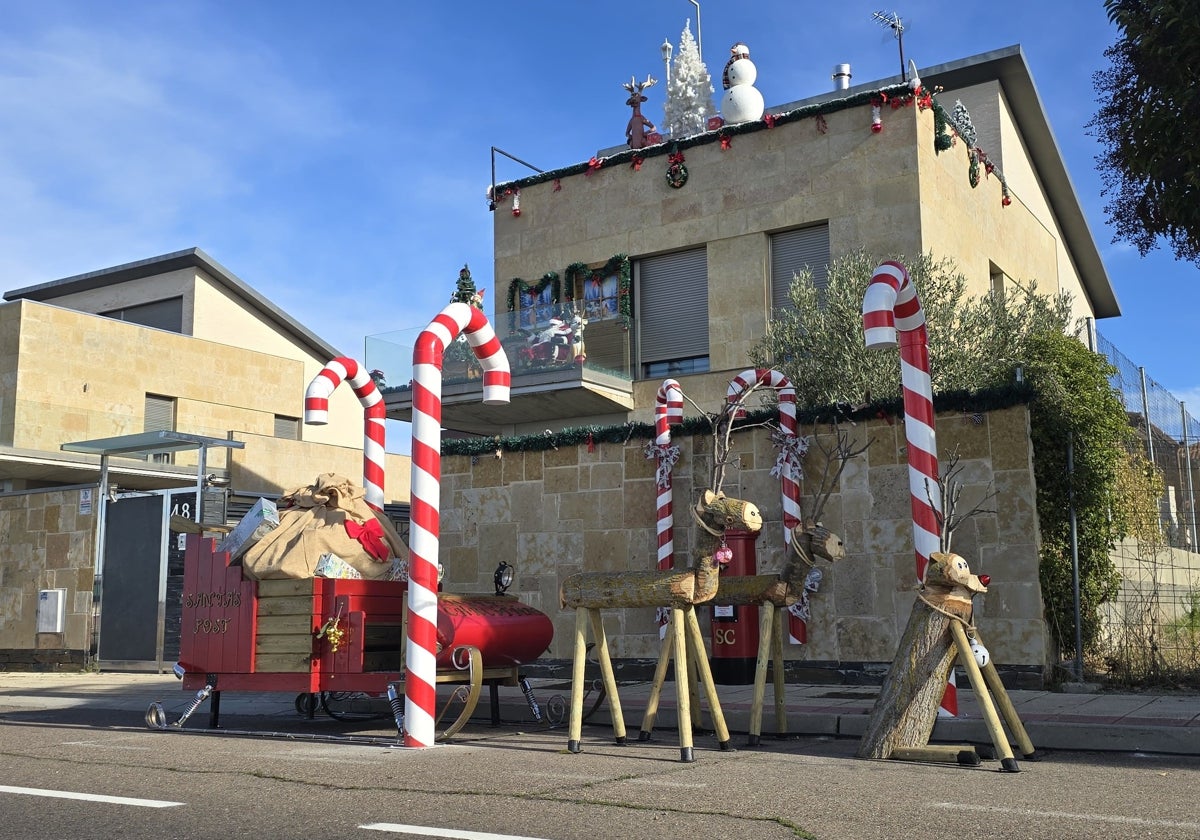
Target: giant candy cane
pixel 420 687
pixel 890 305
pixel 792 447
pixel 316 413
pixel 668 409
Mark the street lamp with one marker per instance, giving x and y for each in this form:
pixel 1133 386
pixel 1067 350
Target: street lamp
pixel 666 54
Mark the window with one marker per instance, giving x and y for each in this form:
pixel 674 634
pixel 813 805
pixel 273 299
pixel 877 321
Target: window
pixel 160 417
pixel 997 279
pixel 672 314
pixel 162 314
pixel 287 428
pixel 793 251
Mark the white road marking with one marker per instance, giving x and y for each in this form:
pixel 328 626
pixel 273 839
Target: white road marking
pixel 431 831
pixel 1067 815
pixel 89 797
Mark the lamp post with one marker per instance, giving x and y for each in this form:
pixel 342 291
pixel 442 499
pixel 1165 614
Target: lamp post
pixel 665 49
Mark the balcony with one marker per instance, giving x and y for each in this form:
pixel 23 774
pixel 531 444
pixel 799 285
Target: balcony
pixel 566 362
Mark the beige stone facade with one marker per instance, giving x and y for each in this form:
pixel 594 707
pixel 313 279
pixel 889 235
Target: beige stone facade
pixel 567 510
pixel 234 368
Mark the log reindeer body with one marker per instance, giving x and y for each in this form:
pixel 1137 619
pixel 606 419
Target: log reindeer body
pixel 786 587
pixel 665 588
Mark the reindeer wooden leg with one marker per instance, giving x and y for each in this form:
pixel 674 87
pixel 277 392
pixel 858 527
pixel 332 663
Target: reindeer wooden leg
pixel 575 729
pixel 765 622
pixel 682 700
pixel 778 676
pixel 693 657
pixel 606 672
pixel 1007 763
pixel 706 677
pixel 660 677
pixel 1009 712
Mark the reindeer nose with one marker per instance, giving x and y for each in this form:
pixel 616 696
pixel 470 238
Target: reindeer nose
pixel 985 579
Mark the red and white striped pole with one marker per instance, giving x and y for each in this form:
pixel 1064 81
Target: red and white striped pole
pixel 890 305
pixel 316 413
pixel 420 686
pixel 668 409
pixel 792 447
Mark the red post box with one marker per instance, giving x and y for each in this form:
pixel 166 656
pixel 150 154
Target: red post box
pixel 735 629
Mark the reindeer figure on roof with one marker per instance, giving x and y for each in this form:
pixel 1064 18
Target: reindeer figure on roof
pixel 635 131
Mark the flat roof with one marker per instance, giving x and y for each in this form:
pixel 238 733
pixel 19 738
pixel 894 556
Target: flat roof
pixel 144 443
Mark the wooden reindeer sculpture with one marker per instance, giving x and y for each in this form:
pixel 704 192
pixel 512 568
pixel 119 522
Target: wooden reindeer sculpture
pixel 678 589
pixel 774 593
pixel 635 131
pixel 946 597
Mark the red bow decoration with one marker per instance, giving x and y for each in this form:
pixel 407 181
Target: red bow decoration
pixel 593 165
pixel 675 157
pixel 636 163
pixel 726 142
pixel 370 535
pixel 557 185
pixel 769 119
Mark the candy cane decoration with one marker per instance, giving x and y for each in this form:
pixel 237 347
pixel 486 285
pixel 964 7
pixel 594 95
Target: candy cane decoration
pixel 791 447
pixel 316 413
pixel 891 304
pixel 668 409
pixel 420 688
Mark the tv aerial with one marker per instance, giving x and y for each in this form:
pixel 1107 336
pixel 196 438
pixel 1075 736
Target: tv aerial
pixel 893 22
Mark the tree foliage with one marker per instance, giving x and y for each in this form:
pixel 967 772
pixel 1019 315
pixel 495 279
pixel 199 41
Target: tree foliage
pixel 1149 111
pixel 974 342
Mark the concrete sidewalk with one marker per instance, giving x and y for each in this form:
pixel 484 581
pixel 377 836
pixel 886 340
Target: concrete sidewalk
pixel 1101 721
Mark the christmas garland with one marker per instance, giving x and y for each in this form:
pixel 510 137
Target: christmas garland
pixel 518 287
pixel 618 265
pixel 970 403
pixel 892 93
pixel 960 124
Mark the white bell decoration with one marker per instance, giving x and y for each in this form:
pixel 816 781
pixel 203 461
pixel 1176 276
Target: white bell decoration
pixel 982 657
pixel 742 101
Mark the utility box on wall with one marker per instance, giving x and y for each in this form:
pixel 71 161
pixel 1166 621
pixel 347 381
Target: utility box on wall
pixel 51 612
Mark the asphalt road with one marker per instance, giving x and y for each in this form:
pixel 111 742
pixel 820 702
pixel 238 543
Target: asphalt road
pixel 521 782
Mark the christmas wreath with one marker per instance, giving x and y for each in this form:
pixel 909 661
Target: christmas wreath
pixel 677 173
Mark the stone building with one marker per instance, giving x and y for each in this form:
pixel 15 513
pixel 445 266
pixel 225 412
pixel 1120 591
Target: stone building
pixel 675 256
pixel 172 343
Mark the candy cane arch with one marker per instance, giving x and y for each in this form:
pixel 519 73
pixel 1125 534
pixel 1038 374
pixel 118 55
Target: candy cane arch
pixel 890 305
pixel 792 447
pixel 420 687
pixel 668 409
pixel 316 413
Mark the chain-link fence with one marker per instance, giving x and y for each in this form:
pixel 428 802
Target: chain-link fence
pixel 1152 628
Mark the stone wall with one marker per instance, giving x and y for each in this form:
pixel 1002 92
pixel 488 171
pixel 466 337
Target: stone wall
pixel 566 510
pixel 47 543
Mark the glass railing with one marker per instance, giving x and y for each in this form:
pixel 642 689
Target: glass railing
pixel 541 339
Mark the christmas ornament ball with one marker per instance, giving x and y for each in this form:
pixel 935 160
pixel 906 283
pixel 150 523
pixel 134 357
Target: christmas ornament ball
pixel 742 72
pixel 742 103
pixel 982 657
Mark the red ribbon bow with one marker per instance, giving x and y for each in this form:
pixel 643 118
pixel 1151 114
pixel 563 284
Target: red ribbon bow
pixel 636 163
pixel 370 535
pixel 593 165
pixel 769 119
pixel 726 142
pixel 675 157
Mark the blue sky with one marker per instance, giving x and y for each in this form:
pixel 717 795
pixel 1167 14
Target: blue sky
pixel 336 156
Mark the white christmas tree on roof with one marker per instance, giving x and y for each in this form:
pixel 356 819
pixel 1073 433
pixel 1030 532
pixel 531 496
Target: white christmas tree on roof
pixel 689 91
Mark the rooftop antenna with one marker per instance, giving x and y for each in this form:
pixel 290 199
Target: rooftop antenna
pixel 699 40
pixel 892 21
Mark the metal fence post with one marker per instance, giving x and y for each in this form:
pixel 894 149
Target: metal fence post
pixel 1187 454
pixel 1074 556
pixel 1146 415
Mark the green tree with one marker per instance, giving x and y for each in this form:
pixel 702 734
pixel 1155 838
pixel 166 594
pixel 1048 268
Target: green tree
pixel 1149 107
pixel 974 342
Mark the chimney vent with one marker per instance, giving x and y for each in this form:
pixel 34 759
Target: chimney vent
pixel 841 76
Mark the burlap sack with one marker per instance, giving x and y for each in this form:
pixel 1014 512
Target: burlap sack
pixel 312 522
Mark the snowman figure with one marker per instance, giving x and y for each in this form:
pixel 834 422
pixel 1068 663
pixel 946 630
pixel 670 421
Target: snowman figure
pixel 742 101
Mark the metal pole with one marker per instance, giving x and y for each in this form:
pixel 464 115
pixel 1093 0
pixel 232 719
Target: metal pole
pixel 1146 415
pixel 1187 451
pixel 1074 556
